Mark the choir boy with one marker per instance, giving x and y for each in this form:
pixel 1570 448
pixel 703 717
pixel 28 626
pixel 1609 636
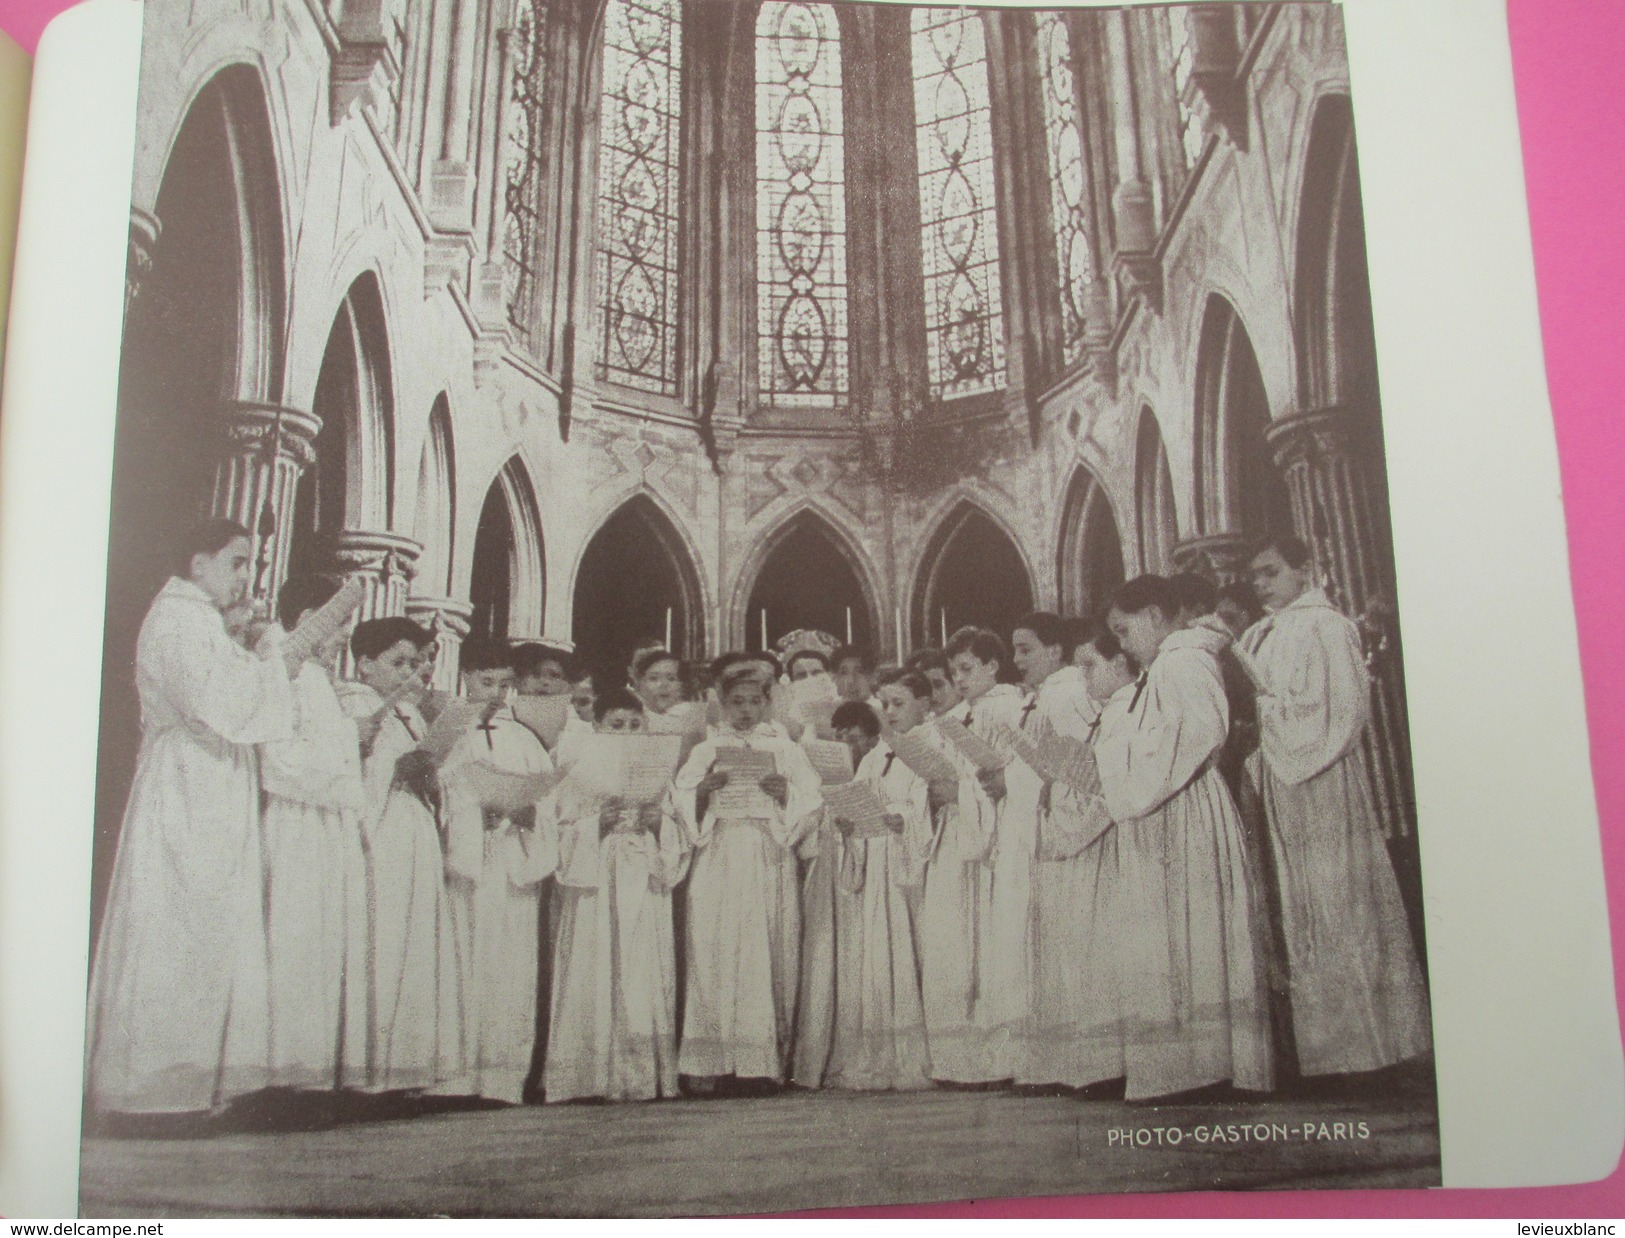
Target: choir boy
pixel 613 1014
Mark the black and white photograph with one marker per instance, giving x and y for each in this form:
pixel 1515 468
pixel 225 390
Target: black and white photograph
pixel 746 606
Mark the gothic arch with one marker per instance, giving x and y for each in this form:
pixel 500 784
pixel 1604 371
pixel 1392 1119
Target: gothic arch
pixel 434 522
pixel 1336 343
pixel 807 519
pixel 508 575
pixel 972 571
pixel 351 484
pixel 1237 488
pixel 637 564
pixel 1089 563
pixel 1156 522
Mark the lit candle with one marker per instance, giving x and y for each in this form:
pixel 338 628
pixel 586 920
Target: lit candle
pixel 849 625
pixel 668 629
pixel 945 627
pixel 764 629
pixel 897 621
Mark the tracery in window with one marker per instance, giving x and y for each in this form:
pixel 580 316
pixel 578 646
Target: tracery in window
pixel 800 206
pixel 1069 184
pixel 522 161
pixel 953 131
pixel 637 194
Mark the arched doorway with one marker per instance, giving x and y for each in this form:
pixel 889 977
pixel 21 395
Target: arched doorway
pixel 636 582
pixel 203 333
pixel 1089 558
pixel 1156 523
pixel 1238 488
pixel 434 523
pixel 506 582
pixel 809 578
pixel 350 486
pixel 971 574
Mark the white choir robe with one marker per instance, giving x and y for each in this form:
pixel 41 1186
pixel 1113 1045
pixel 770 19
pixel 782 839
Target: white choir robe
pixel 178 1011
pixel 821 856
pixel 1072 1037
pixel 317 910
pixel 743 924
pixel 1189 979
pixel 417 1038
pixel 613 1013
pixel 958 885
pixel 495 866
pixel 1358 997
pixel 879 1041
pixel 1002 995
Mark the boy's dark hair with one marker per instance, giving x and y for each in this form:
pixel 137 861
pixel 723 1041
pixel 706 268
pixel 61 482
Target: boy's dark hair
pixel 1144 592
pixel 983 645
pixel 858 714
pixel 642 664
pixel 486 653
pixel 929 660
pixel 373 638
pixel 912 682
pixel 1194 593
pixel 531 656
pixel 303 593
pixel 1045 625
pixel 206 537
pixel 1293 549
pixel 611 699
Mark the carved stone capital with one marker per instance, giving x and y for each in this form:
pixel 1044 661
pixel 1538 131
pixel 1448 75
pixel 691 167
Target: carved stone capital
pixel 1222 557
pixel 1215 67
pixel 1319 436
pixel 272 430
pixel 385 556
pixel 442 616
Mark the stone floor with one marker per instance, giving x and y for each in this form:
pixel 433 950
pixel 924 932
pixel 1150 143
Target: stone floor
pixel 791 1151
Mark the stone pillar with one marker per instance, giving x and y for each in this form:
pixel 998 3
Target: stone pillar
pixel 267 447
pixel 1332 459
pixel 1221 557
pixel 385 562
pixel 144 233
pixel 449 621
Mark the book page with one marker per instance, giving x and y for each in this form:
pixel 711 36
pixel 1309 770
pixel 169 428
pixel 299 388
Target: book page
pixel 979 752
pixel 547 716
pixel 921 755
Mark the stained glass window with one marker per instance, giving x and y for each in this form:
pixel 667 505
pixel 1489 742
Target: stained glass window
pixel 1069 182
pixel 953 131
pixel 522 161
pixel 1190 124
pixel 800 206
pixel 637 194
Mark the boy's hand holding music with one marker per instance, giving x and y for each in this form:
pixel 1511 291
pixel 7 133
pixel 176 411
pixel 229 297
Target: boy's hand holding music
pixel 714 780
pixel 992 781
pixel 894 822
pixel 649 818
pixel 845 825
pixel 611 815
pixel 940 795
pixel 777 788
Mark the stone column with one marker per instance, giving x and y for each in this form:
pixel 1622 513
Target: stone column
pixel 449 621
pixel 267 447
pixel 1221 557
pixel 144 232
pixel 1333 462
pixel 385 562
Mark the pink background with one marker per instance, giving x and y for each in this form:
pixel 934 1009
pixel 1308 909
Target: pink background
pixel 1565 54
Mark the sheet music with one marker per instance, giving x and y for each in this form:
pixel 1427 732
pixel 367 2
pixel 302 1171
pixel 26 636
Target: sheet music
pixel 922 756
pixel 831 758
pixel 324 623
pixel 858 803
pixel 983 755
pixel 546 715
pixel 454 720
pixel 743 797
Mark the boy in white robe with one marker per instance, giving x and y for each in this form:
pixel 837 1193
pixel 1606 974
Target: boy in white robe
pixel 1070 1036
pixel 613 1014
pixel 879 1040
pixel 317 914
pixel 1194 1008
pixel 417 1025
pixel 1358 998
pixel 178 1018
pixel 978 888
pixel 743 924
pixel 496 861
